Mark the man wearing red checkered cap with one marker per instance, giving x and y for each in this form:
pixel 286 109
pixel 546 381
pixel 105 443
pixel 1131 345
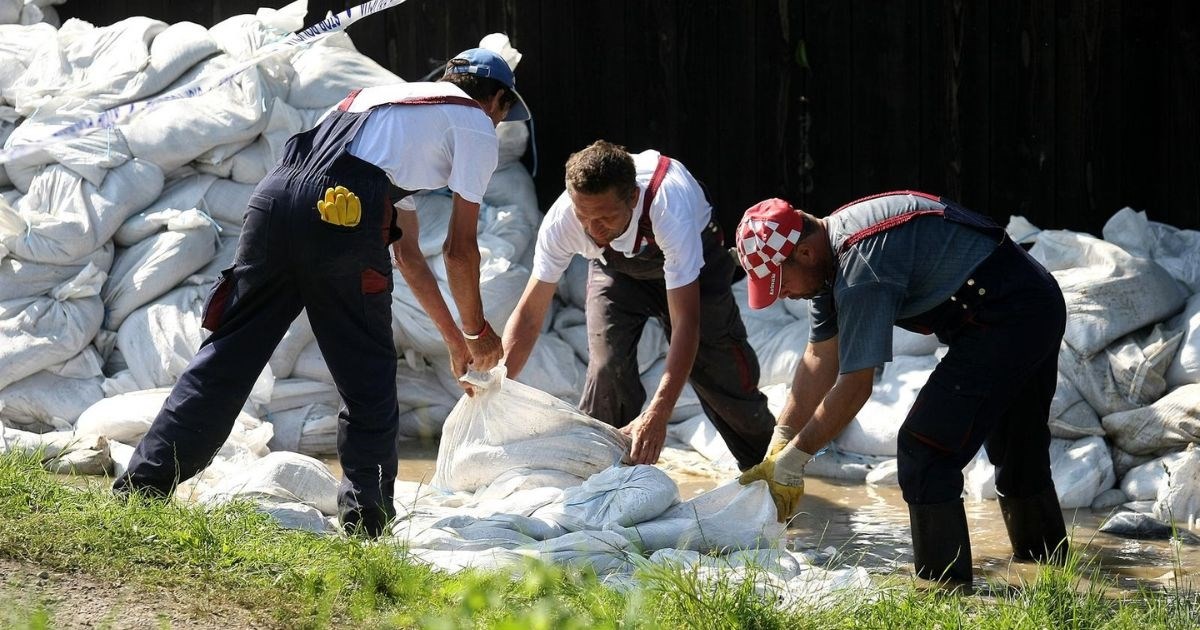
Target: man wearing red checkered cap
pixel 928 265
pixel 646 226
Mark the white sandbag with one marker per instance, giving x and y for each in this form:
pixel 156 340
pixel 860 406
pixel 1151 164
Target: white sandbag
pixel 325 72
pixel 1071 417
pixel 833 463
pixel 21 279
pixel 979 478
pixel 291 515
pixel 185 193
pixel 47 402
pixel 1081 470
pixel 159 339
pixel 651 348
pixel 1131 373
pixel 1020 230
pixel 36 333
pixel 507 425
pixel 905 342
pixel 67 218
pixel 688 403
pixel 619 496
pixel 318 419
pixel 726 518
pixel 873 431
pixel 284 477
pixel 298 336
pixel 293 393
pixel 1179 499
pixel 96 68
pixel 90 461
pixel 553 368
pixel 226 201
pixel 1109 293
pixel 426 393
pixel 1177 251
pixel 778 338
pixel 1185 367
pixel 778 562
pixel 49 445
pixel 19 46
pixel 1169 424
pixel 602 552
pixel 177 132
pixel 157 264
pixel 570 323
pixel 699 434
pixel 885 474
pixel 127 417
pixel 507 231
pixel 1144 482
pixel 572 286
pixel 90 156
pixel 251 164
pixel 310 364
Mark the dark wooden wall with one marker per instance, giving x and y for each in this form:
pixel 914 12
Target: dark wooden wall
pixel 1061 110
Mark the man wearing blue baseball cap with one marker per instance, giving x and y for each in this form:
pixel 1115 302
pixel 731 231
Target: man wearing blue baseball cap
pixel 929 265
pixel 315 237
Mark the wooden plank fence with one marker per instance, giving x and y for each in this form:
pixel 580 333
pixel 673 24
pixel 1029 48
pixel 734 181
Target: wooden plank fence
pixel 1063 111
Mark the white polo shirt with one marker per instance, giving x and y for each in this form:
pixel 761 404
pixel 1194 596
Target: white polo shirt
pixel 679 213
pixel 426 147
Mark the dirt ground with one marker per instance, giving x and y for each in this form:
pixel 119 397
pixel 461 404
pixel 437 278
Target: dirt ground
pixel 75 600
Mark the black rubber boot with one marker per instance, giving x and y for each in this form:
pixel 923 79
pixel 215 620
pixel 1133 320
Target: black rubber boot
pixel 1035 527
pixel 941 542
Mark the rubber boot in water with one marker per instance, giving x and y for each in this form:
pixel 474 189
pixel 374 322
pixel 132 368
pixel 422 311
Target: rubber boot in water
pixel 941 542
pixel 1035 527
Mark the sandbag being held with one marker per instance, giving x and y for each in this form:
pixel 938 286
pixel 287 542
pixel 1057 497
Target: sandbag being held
pixel 507 426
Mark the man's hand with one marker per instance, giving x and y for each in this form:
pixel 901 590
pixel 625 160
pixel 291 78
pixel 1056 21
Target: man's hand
pixel 780 438
pixel 340 207
pixel 460 360
pixel 486 350
pixel 649 433
pixel 784 474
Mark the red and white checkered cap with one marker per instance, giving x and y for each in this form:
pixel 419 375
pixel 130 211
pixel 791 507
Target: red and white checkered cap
pixel 765 238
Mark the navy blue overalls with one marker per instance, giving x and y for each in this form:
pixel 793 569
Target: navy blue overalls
pixel 288 259
pixel 626 291
pixel 1003 327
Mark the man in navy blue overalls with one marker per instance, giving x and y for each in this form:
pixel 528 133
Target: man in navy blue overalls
pixel 315 237
pixel 928 265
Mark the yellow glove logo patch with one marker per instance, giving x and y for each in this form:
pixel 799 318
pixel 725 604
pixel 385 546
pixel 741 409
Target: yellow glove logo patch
pixel 340 207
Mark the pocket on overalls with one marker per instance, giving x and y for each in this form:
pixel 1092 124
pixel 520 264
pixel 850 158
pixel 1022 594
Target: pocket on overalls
pixel 255 238
pixel 944 414
pixel 217 301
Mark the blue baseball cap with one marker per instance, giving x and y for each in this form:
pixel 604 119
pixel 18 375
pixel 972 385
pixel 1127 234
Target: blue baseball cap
pixel 486 63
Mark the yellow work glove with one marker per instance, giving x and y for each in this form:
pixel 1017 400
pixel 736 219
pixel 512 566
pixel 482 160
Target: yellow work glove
pixel 780 438
pixel 340 207
pixel 784 474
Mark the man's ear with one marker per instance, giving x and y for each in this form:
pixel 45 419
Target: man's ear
pixel 633 195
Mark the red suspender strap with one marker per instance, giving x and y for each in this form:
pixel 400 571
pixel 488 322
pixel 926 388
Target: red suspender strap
pixel 439 100
pixel 645 227
pixel 885 225
pixel 345 104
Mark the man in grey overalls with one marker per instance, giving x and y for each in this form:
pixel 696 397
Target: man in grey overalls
pixel 928 265
pixel 646 225
pixel 315 237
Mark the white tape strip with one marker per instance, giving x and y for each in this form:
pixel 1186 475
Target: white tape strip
pixel 107 119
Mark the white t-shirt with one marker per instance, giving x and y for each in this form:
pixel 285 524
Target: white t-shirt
pixel 679 212
pixel 426 147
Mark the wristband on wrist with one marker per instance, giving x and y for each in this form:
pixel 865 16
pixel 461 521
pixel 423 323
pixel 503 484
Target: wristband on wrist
pixel 475 337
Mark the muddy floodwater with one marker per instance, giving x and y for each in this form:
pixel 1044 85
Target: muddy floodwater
pixel 868 526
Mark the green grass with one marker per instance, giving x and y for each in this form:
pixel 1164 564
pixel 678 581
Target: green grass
pixel 298 580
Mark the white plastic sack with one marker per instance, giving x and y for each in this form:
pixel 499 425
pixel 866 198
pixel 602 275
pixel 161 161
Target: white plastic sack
pixel 1179 499
pixel 46 401
pixel 1169 424
pixel 1127 375
pixel 553 368
pixel 1185 367
pixel 325 72
pixel 1081 470
pixel 729 517
pixel 1177 251
pixel 36 333
pixel 507 425
pixel 1144 482
pixel 1109 293
pixel 619 496
pixel 281 477
pixel 1071 417
pixel 699 434
pixel 21 279
pixel 873 431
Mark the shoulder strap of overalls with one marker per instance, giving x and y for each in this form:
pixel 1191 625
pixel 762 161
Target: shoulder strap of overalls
pixel 645 225
pixel 416 100
pixel 892 221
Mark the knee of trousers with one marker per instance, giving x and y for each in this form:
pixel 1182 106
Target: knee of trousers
pixel 926 474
